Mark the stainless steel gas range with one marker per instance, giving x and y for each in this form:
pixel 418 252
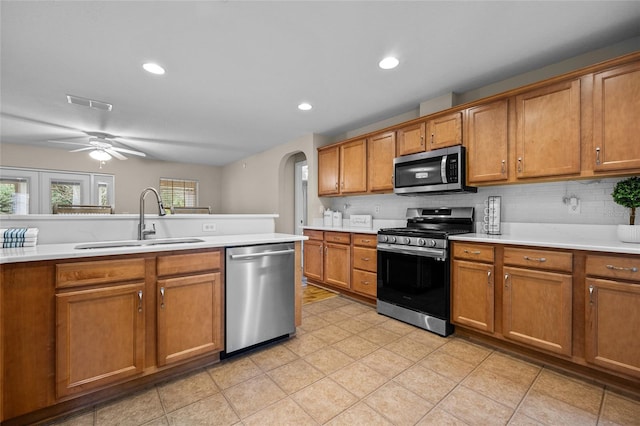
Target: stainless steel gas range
pixel 414 267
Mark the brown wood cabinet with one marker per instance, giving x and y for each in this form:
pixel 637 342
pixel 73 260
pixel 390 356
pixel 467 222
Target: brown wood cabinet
pixel 365 264
pixel 329 171
pixel 314 255
pixel 616 118
pixel 411 139
pixel 337 259
pixel 444 131
pixel 548 131
pixel 487 142
pixel 189 306
pixel 353 167
pixel 472 286
pixel 612 298
pixel 381 151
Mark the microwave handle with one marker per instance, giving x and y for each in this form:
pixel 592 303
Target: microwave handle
pixel 443 169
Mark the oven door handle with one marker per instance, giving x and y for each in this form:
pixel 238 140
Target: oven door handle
pixel 422 252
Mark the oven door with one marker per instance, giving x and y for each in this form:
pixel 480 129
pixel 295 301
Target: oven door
pixel 417 281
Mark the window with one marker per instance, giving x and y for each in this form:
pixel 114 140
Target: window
pixel 179 192
pixel 14 196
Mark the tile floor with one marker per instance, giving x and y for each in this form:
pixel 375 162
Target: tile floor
pixel 350 366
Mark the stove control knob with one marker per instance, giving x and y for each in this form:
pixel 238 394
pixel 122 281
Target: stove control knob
pixel 383 238
pixel 392 239
pixel 422 242
pixel 407 240
pixel 432 243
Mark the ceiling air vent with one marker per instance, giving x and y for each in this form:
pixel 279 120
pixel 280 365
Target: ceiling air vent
pixel 99 105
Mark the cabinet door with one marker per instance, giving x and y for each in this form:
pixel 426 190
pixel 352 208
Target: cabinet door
pixel 444 131
pixel 472 295
pixel 99 337
pixel 328 171
pixel 189 317
pixel 548 131
pixel 411 139
pixel 381 152
pixel 487 138
pixel 612 324
pixel 537 309
pixel 616 118
pixel 353 167
pixel 313 260
pixel 337 265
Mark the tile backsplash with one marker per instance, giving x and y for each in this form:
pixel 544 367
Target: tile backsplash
pixel 530 203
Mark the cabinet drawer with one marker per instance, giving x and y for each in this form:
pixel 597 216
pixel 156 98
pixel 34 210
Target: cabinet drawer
pixel 364 282
pixel 337 237
pixel 313 234
pixel 627 268
pixel 539 259
pixel 99 272
pixel 365 240
pixel 365 258
pixel 479 252
pixel 188 263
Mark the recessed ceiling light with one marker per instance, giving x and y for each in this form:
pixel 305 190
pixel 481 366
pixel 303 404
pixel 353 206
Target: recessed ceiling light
pixel 388 63
pixel 304 106
pixel 153 68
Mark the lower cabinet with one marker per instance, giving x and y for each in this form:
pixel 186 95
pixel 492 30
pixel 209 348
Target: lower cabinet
pixel 472 295
pixel 337 264
pixel 100 337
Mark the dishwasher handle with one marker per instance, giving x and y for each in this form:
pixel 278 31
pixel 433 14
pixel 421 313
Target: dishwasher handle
pixel 262 254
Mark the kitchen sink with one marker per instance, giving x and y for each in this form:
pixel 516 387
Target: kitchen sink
pixel 137 243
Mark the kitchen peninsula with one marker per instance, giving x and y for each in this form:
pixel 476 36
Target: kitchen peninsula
pixel 81 325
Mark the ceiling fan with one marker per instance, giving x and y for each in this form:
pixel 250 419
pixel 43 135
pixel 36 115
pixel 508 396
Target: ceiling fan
pixel 101 147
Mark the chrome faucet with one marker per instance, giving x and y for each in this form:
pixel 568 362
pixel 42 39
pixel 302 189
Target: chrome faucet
pixel 142 231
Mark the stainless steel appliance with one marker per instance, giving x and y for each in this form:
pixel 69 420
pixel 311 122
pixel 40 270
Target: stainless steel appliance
pixel 432 172
pixel 414 267
pixel 260 288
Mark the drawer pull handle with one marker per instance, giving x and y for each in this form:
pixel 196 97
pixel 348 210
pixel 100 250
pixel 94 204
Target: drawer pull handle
pixel 597 156
pixel 536 259
pixel 519 164
pixel 504 168
pixel 591 295
pixel 473 252
pixel 506 278
pixel 489 277
pixel 365 259
pixel 162 297
pixel 364 282
pixel 366 241
pixel 619 268
pixel 140 301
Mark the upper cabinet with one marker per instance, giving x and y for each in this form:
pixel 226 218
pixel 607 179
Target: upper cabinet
pixel 342 168
pixel 381 152
pixel 616 118
pixel 548 131
pixel 486 140
pixel 411 139
pixel 444 131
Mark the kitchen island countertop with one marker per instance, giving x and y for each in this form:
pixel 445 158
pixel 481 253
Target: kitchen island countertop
pixel 68 250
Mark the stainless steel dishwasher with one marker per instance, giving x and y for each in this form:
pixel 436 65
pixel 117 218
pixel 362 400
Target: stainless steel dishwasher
pixel 260 293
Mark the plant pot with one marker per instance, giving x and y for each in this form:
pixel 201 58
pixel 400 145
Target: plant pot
pixel 629 233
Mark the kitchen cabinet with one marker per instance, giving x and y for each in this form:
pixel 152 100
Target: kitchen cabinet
pixel 337 259
pixel 486 138
pixel 314 255
pixel 193 281
pixel 537 298
pixel 548 131
pixel 342 168
pixel 100 331
pixel 365 264
pixel 410 138
pixel 444 131
pixel 381 151
pixel 472 286
pixel 616 126
pixel 612 298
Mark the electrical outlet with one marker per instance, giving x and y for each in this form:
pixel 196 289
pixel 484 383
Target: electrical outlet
pixel 573 205
pixel 377 208
pixel 208 227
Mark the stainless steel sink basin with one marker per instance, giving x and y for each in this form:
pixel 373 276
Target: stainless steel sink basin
pixel 136 243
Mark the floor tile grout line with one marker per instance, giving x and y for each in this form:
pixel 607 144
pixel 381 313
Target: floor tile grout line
pixel 526 394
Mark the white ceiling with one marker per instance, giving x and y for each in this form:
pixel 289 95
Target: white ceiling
pixel 236 71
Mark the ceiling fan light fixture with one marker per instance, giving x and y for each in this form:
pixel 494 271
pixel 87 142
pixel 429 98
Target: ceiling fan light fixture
pixel 153 68
pixel 100 155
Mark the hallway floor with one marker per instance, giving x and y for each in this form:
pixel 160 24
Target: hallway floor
pixel 347 365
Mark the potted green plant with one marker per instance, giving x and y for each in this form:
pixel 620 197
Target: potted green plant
pixel 627 194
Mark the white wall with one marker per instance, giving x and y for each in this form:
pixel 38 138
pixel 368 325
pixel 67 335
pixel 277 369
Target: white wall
pixel 132 175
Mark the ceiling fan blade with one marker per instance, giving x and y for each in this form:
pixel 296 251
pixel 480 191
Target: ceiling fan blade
pixel 69 141
pixel 115 154
pixel 129 151
pixel 82 149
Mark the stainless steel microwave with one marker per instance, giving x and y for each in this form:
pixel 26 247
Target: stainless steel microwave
pixel 432 172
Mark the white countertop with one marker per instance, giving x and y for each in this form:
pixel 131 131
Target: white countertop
pixel 353 229
pixel 68 250
pixel 562 236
